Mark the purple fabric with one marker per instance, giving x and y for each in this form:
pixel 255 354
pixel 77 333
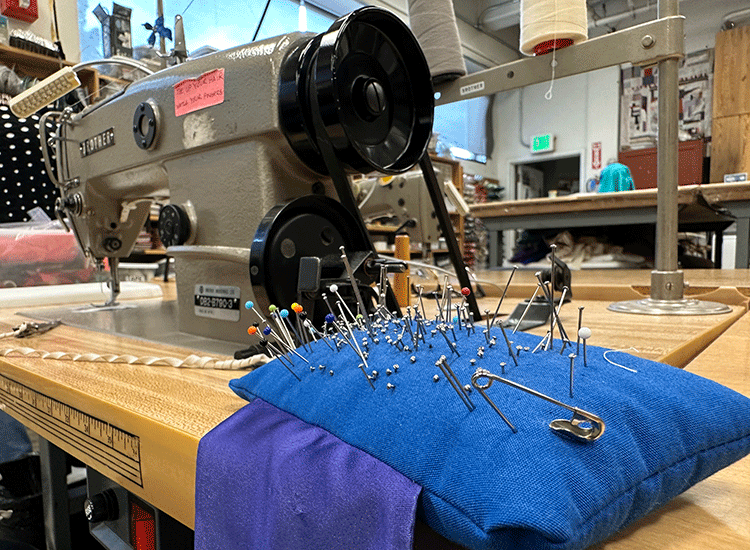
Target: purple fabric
pixel 266 480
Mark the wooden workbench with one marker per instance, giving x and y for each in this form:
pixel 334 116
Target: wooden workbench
pixel 622 208
pixel 141 425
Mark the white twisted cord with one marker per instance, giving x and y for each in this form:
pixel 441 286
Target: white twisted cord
pixel 190 362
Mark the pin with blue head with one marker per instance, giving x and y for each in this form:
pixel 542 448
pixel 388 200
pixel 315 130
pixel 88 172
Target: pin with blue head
pixel 284 316
pixel 330 318
pixel 251 306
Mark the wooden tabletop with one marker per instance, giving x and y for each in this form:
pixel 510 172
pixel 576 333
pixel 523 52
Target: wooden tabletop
pixel 588 202
pixel 167 410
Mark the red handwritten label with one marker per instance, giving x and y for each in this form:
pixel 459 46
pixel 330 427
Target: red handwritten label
pixel 193 94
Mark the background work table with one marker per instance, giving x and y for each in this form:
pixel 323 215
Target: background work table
pixel 141 425
pixel 624 208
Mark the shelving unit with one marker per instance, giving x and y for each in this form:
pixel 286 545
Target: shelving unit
pixel 41 66
pixel 36 65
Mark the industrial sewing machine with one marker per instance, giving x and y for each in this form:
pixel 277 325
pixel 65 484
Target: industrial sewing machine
pixel 252 146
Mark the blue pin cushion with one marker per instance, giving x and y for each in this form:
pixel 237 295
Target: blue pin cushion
pixel 485 487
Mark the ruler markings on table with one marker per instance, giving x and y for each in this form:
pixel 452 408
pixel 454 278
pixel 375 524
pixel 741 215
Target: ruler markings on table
pixel 102 441
pixel 128 469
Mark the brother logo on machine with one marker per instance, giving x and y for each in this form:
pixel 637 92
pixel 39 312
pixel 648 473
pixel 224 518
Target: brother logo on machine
pixel 98 142
pixel 217 302
pixel 471 88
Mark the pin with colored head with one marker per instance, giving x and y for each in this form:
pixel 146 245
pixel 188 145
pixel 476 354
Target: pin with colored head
pixel 251 306
pixel 584 334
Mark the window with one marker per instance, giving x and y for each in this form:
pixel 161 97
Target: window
pixel 462 125
pixel 218 24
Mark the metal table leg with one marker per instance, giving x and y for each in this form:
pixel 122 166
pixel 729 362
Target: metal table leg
pixel 55 496
pixel 742 255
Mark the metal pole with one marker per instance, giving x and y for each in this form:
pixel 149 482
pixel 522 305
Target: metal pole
pixel 162 40
pixel 666 281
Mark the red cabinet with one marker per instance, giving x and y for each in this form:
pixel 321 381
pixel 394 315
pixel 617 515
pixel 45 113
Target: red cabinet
pixel 642 164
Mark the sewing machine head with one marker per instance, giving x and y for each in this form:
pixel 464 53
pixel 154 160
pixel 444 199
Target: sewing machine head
pixel 250 145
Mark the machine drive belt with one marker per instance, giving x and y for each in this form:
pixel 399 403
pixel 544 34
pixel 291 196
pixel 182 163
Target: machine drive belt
pixel 341 183
pixel 446 227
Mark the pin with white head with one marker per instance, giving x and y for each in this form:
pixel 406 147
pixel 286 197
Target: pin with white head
pixel 580 319
pixel 584 333
pixel 335 289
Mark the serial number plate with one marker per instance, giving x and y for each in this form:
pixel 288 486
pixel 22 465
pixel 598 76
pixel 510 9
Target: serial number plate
pixel 217 302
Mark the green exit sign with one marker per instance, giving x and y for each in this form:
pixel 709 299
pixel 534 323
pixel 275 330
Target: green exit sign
pixel 543 143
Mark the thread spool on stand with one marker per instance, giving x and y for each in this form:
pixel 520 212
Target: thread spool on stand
pixel 548 25
pixel 434 24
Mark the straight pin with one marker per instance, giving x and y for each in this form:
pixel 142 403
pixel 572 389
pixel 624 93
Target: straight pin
pixel 458 382
pixel 381 290
pixel 335 289
pixel 369 380
pixel 328 304
pixel 497 309
pixel 439 315
pixel 273 310
pixel 580 317
pixel 451 345
pixel 585 334
pixel 250 305
pixel 523 315
pixel 421 303
pixel 449 294
pixel 354 338
pixel 274 350
pixel 456 386
pixel 552 247
pixel 572 357
pixel 510 346
pixel 441 305
pixel 355 286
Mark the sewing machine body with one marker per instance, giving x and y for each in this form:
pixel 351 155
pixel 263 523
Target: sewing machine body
pixel 230 161
pixel 238 141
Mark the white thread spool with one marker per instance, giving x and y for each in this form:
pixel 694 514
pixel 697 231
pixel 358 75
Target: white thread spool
pixel 552 24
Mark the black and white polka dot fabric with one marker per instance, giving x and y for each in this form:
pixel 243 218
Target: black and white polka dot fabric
pixel 24 183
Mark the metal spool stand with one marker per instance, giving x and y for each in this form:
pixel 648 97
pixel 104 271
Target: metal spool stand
pixel 667 282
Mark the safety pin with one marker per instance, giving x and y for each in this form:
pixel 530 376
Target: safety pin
pixel 576 428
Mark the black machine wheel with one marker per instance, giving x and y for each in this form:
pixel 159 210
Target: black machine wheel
pixel 371 82
pixel 310 226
